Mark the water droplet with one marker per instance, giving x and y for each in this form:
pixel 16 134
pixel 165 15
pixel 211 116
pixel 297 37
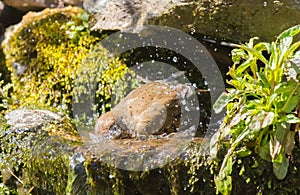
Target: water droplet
pixel 187 108
pixel 192 31
pixel 174 59
pixel 265 4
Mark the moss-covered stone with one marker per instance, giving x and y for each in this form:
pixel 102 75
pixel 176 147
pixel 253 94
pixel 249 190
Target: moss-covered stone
pixel 44 52
pixel 40 152
pixel 191 173
pixel 34 151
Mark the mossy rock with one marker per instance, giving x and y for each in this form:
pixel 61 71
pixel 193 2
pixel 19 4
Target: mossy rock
pixel 44 52
pixel 34 151
pixel 191 173
pixel 41 153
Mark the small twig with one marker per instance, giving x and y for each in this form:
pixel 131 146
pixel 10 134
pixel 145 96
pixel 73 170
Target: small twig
pixel 11 172
pixel 202 90
pixel 30 190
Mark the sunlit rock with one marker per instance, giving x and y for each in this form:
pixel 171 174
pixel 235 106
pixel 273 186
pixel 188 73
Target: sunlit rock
pixel 218 19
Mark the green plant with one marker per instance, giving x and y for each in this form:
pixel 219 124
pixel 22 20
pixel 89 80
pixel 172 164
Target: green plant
pixel 262 107
pixel 78 26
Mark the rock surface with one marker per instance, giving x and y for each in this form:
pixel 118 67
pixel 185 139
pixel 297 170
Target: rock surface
pixel 27 5
pixel 229 20
pixel 33 147
pixel 44 165
pixel 191 173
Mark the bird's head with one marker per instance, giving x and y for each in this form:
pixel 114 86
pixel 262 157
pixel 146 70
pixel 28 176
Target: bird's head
pixel 105 122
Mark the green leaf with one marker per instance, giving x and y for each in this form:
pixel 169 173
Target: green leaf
pixel 268 119
pixel 263 79
pixel 278 72
pixel 238 55
pixel 272 99
pixel 251 42
pixel 264 149
pixel 273 60
pixel 290 142
pixel 280 166
pixel 222 101
pixel 261 120
pixel 290 118
pixel 238 117
pixel 283 88
pixel 224 185
pixel 85 24
pixel 290 32
pixel 224 181
pixel 254 53
pixel 290 104
pixel 284 44
pixel 241 69
pixel 79 28
pixel 214 144
pixel 84 16
pixel 263 46
pixel 281 131
pixel 243 152
pixel 228 167
pixel 255 122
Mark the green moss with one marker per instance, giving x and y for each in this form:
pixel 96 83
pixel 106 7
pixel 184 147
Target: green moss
pixel 36 159
pixel 191 173
pixel 51 45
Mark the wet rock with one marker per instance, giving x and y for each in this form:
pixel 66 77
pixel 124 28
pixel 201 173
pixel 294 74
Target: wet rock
pixel 23 118
pixel 152 109
pixel 40 154
pixel 192 172
pixel 33 148
pixel 235 21
pixel 27 5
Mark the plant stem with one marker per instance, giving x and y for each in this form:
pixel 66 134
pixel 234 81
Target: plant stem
pixel 233 146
